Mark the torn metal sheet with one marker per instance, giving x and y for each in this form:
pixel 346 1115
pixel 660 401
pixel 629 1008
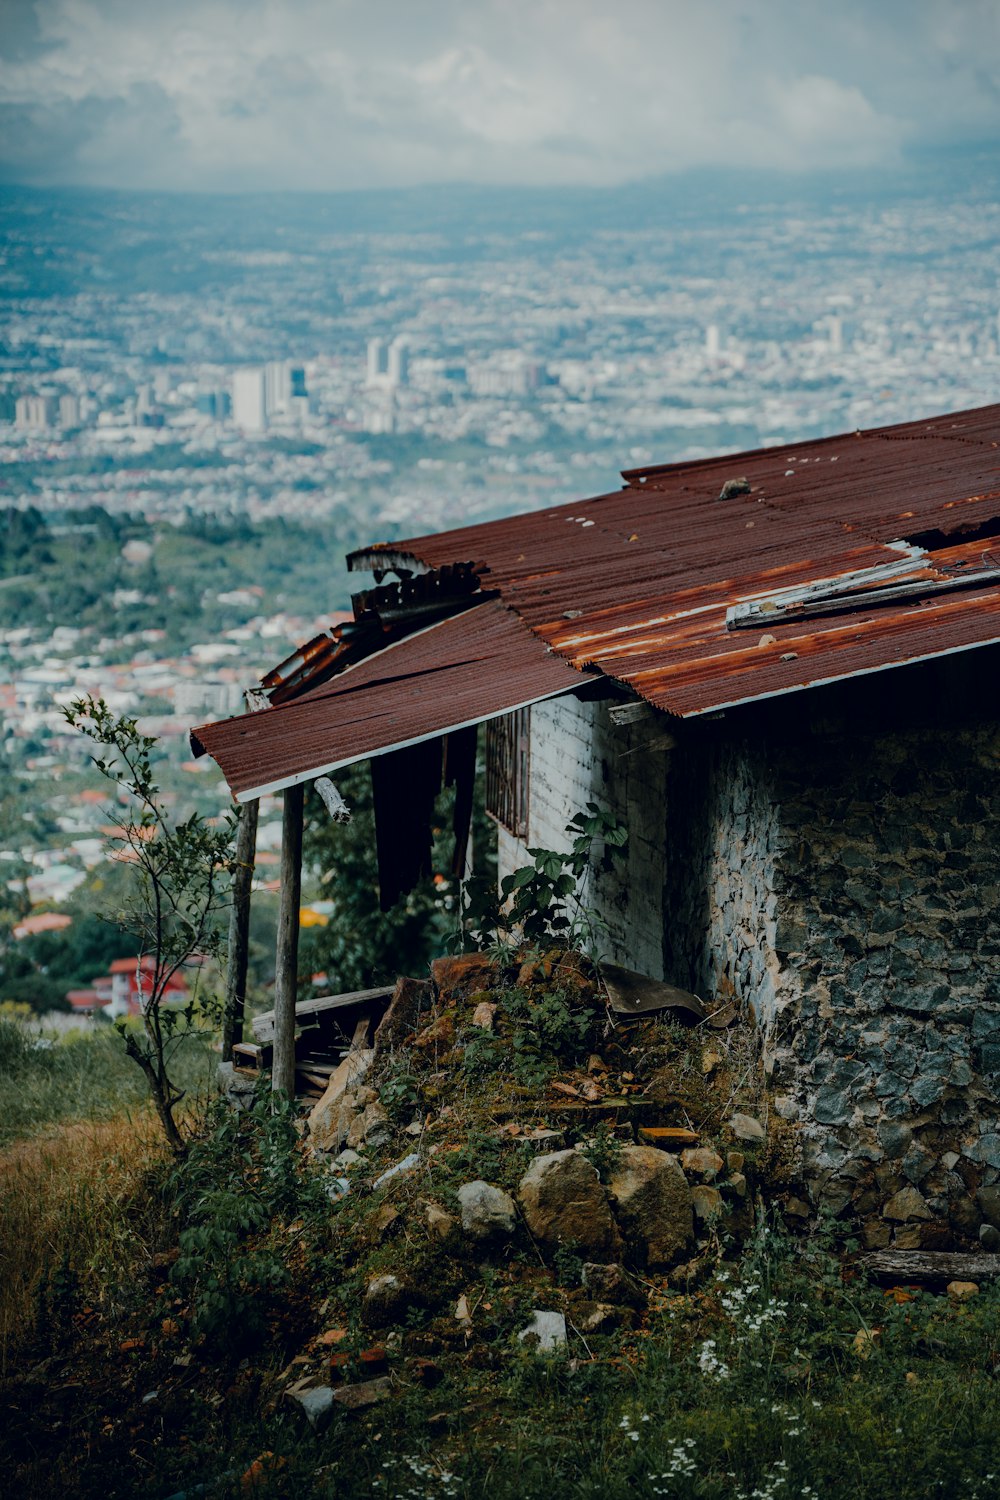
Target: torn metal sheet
pixel 632 994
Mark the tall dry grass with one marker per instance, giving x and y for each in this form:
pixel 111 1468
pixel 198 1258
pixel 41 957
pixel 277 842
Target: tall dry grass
pixel 83 1194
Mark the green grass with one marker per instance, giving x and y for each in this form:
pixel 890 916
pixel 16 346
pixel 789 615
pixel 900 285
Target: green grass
pixel 82 1075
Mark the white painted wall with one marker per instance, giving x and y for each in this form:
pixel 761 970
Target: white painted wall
pixel 579 756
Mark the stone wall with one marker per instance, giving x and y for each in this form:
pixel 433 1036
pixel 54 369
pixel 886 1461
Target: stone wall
pixel 887 1023
pixel 833 863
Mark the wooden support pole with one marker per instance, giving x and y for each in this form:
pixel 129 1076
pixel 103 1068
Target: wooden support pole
pixel 287 956
pixel 239 929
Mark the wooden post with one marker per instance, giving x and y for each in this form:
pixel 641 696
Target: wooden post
pixel 287 956
pixel 239 929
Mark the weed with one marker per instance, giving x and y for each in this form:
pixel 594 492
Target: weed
pixel 603 1150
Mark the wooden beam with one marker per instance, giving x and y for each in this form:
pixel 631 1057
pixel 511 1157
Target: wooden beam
pixel 287 955
pixel 239 929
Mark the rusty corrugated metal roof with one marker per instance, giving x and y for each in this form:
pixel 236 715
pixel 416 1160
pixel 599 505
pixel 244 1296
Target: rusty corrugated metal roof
pixel 460 671
pixel 642 583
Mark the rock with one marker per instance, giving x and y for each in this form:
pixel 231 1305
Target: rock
pixel 653 1203
pixel 548 1328
pixel 706 1202
pixel 486 1211
pixel 874 1234
pixel 961 1291
pixel 406 1165
pixel 426 1372
pixel 988 1199
pixel 370 1128
pixel 599 1317
pixel 565 1204
pixel 415 1127
pixel 797 1207
pixel 908 1237
pixel 330 1117
pixel 440 1226
pixel 735 1161
pixel 386 1217
pixel 364 1393
pixel 385 1299
pixel 315 1402
pixel 989 1238
pixel 746 1128
pixel 710 1060
pixel 239 1088
pixel 483 1015
pixel 786 1107
pixel 607 1283
pixel 336 1188
pixel 410 997
pixel 455 976
pixel 702 1161
pixel 438 1036
pixel 738 1183
pixel 905 1205
pixel 347 1158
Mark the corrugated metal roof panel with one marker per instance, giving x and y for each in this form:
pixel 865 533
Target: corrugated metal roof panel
pixel 460 671
pixel 639 582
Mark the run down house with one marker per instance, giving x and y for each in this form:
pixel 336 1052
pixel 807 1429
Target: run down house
pixel 780 669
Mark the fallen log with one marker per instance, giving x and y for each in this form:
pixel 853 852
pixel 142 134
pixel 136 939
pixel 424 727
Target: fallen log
pixel 929 1265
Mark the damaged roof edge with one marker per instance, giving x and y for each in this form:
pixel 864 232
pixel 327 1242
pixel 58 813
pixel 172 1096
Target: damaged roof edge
pixel 384 557
pixel 821 682
pixel 267 789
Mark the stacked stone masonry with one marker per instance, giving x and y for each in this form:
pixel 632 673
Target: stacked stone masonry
pixel 833 863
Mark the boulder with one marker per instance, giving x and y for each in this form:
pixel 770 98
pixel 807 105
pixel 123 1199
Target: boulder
pixel 487 1211
pixel 565 1204
pixel 652 1204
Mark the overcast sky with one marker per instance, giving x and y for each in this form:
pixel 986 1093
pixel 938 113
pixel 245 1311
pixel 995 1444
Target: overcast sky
pixel 325 94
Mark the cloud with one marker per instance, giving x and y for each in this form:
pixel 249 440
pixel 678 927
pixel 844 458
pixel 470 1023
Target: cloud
pixel 327 94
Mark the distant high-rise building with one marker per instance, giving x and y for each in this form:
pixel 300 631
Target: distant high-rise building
pixel 713 341
pixel 378 362
pixel 34 413
pixel 250 400
pixel 277 387
pixel 69 411
pixel 398 363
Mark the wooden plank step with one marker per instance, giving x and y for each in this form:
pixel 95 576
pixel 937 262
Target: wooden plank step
pixel 668 1137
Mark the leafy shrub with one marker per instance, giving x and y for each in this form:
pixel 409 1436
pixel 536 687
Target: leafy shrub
pixel 243 1180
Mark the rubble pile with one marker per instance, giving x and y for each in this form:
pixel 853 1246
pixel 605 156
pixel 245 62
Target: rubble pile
pixel 515 1164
